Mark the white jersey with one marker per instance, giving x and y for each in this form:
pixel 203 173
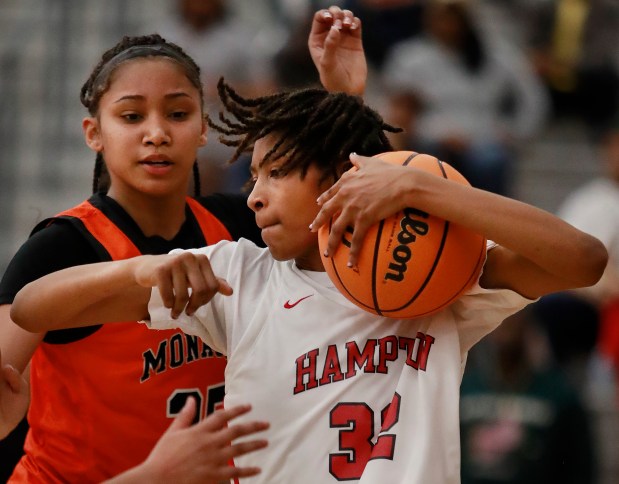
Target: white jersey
pixel 350 396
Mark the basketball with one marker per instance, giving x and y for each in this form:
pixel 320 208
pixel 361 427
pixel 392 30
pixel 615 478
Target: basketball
pixel 411 264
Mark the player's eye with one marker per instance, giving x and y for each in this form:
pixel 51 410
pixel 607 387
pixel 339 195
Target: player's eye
pixel 179 115
pixel 131 117
pixel 275 172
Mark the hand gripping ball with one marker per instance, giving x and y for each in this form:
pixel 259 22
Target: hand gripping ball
pixel 411 264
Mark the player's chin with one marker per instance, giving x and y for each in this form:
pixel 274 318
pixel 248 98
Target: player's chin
pixel 279 254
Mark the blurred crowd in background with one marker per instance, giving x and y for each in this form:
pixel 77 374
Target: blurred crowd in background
pixel 521 96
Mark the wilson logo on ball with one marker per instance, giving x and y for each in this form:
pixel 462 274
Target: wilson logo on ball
pixel 410 229
pixel 413 263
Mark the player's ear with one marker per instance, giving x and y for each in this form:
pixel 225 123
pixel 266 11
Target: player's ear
pixel 203 134
pixel 92 133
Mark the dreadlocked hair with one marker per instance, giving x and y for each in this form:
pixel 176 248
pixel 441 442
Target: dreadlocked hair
pixel 99 167
pixel 197 184
pixel 132 48
pixel 312 127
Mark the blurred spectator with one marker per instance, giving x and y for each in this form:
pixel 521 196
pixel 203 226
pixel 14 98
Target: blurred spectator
pixel 462 98
pixel 572 325
pixel 292 64
pixel 594 208
pixel 574 46
pixel 507 19
pixel 521 420
pixel 223 44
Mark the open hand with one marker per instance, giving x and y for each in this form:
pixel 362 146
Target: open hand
pixel 336 48
pixel 200 453
pixel 369 192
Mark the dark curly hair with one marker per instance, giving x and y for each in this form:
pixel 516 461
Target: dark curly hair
pixel 312 127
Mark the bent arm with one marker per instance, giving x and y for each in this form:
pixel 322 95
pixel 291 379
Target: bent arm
pixel 538 253
pixel 81 296
pixel 116 291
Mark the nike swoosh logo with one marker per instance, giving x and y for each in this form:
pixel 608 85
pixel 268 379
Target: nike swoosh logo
pixel 289 305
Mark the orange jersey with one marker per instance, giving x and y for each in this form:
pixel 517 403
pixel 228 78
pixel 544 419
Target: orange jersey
pixel 101 402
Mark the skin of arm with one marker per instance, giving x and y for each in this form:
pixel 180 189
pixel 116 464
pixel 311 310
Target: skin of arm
pixel 116 291
pixel 538 253
pixel 16 349
pixel 201 452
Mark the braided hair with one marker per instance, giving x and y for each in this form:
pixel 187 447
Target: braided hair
pixel 99 82
pixel 312 127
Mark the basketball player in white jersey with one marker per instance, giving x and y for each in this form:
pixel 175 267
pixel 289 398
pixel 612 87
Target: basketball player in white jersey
pixel 349 396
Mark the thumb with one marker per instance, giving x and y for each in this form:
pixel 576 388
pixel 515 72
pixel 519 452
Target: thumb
pixel 185 417
pixel 224 287
pixel 358 160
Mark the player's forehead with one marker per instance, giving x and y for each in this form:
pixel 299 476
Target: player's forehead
pixel 142 73
pixel 261 147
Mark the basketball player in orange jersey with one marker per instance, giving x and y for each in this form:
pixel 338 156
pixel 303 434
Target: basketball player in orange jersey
pixel 102 396
pixel 349 396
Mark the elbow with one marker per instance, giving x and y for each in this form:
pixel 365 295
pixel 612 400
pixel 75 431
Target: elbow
pixel 595 257
pixel 21 314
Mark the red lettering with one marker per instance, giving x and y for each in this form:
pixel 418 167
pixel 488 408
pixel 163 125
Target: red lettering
pixel 388 351
pixel 332 371
pixel 423 351
pixel 363 360
pixel 306 370
pixel 408 344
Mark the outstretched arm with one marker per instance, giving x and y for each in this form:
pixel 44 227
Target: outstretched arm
pixel 116 291
pixel 538 253
pixel 336 48
pixel 199 453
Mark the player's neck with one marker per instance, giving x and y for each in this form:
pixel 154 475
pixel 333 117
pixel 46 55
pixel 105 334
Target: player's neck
pixel 310 262
pixel 162 216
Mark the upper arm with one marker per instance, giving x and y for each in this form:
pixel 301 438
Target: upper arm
pixel 80 296
pixel 504 269
pixel 53 248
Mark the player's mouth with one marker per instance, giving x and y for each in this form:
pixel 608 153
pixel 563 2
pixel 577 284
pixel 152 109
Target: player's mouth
pixel 156 164
pixel 265 224
pixel 267 229
pixel 156 160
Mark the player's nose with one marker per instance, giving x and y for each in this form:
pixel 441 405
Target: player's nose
pixel 156 133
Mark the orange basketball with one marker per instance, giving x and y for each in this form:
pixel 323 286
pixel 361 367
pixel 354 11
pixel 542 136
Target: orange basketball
pixel 411 264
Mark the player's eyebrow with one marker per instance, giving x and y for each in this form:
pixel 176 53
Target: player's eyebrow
pixel 139 97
